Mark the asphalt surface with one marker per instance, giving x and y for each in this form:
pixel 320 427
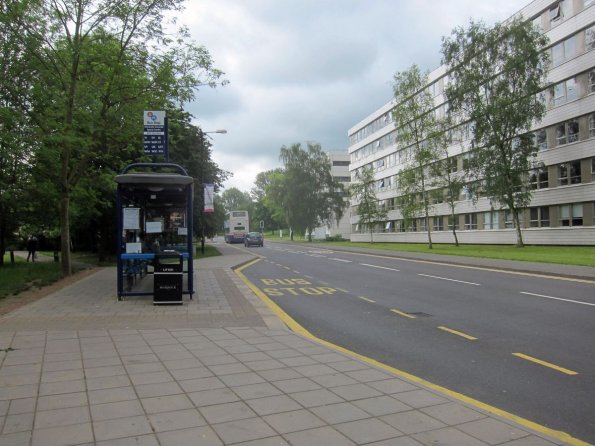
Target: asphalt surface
pixel 514 319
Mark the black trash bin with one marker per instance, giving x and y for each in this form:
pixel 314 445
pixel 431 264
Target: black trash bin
pixel 167 278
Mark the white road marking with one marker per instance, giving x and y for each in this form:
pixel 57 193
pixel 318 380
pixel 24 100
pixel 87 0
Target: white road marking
pixel 379 267
pixel 340 260
pixel 450 280
pixel 559 298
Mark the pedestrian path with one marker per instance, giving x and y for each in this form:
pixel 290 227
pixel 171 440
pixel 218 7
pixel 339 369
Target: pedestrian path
pixel 79 367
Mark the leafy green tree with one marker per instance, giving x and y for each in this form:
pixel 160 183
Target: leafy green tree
pixel 311 196
pixel 363 192
pixel 496 75
pixel 417 125
pixel 258 193
pixel 446 177
pixel 277 198
pixel 91 60
pixel 17 140
pixel 234 199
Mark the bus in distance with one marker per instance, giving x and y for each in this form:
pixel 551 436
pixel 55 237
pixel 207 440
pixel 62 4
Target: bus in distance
pixel 236 225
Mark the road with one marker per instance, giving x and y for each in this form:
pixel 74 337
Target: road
pixel 519 342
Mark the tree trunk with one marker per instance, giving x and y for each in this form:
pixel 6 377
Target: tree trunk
pixel 65 234
pixel 454 226
pixel 2 240
pixel 429 230
pixel 519 233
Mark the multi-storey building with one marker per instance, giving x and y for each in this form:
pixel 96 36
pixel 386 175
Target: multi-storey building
pixel 562 209
pixel 340 172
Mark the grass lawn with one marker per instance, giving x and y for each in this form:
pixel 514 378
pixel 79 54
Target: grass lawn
pixel 566 255
pixel 210 251
pixel 21 275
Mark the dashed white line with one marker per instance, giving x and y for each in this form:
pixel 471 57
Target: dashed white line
pixel 379 267
pixel 340 260
pixel 559 298
pixel 450 280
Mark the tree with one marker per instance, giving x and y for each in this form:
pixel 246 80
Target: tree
pixel 78 51
pixel 446 177
pixel 363 192
pixel 234 199
pixel 311 196
pixel 496 75
pixel 416 124
pixel 277 197
pixel 261 211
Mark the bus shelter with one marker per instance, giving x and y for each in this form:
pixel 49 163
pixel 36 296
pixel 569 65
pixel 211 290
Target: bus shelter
pixel 154 240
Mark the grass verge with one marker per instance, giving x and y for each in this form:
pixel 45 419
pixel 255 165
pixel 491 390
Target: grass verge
pixel 565 255
pixel 210 251
pixel 21 276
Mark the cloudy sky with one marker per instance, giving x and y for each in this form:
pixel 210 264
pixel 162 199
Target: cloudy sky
pixel 308 70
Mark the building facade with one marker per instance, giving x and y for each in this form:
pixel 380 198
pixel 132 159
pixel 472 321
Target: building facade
pixel 562 209
pixel 340 172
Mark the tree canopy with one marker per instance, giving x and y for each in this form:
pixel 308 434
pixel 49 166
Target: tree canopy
pixel 417 127
pixel 304 193
pixel 88 70
pixel 496 75
pixel 363 193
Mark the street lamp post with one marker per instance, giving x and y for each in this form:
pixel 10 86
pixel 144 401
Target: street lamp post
pixel 202 211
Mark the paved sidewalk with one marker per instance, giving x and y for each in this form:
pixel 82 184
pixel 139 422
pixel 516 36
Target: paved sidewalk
pixel 79 367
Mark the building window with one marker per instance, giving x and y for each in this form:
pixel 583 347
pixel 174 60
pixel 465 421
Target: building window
pixel 540 217
pixel 470 221
pixel 564 92
pixel 571 215
pixel 567 132
pixel 537 22
pixel 569 173
pixel 490 220
pixel 538 178
pixel 437 196
pixel 590 38
pixel 592 81
pixel 467 160
pixel 508 220
pixel 452 222
pixel 389 227
pixel 438 223
pixel 340 163
pixel 555 15
pixel 592 125
pixel 541 139
pixel 563 51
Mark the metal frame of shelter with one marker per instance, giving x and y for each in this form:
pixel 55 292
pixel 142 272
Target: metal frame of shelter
pixel 158 189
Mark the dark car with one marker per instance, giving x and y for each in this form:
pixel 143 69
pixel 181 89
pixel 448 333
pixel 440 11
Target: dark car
pixel 254 239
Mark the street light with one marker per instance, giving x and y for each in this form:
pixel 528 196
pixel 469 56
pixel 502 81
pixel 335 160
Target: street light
pixel 202 212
